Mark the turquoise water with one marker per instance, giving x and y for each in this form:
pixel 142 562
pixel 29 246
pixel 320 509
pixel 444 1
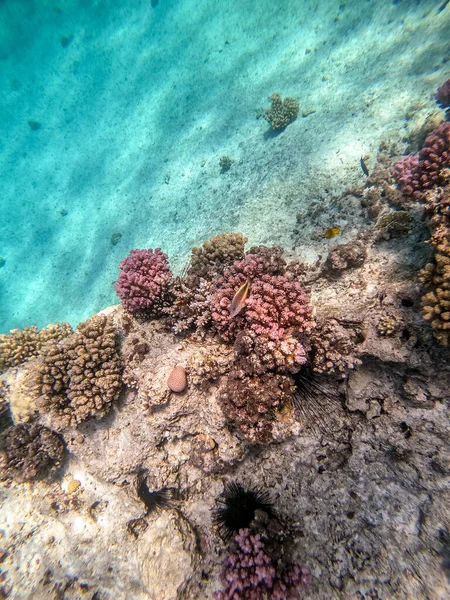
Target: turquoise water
pixel 114 117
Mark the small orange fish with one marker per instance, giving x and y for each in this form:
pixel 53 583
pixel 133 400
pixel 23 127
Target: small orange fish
pixel 331 232
pixel 239 299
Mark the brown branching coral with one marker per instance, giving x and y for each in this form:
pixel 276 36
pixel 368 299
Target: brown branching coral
pixel 436 275
pixel 80 377
pixel 215 254
pixel 436 303
pixel 250 403
pixel 334 345
pixel 281 112
pixel 20 345
pixel 29 451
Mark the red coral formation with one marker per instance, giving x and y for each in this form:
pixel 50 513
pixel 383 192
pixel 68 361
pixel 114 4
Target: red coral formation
pixel 144 281
pixel 270 327
pixel 417 173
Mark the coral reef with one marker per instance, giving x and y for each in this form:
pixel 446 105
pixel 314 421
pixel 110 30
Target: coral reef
pixel 334 345
pixel 274 304
pixel 417 173
pixel 214 255
pixel 80 376
pixel 210 363
pixel 281 112
pixel 144 281
pixel 29 452
pixel 5 416
pixel 190 310
pixel 250 572
pixel 436 303
pixel 345 256
pixel 21 345
pixel 251 403
pixel 436 275
pixel 394 224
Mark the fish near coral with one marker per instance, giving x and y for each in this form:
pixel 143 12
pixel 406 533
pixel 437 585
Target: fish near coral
pixel 239 299
pixel 332 232
pixel 177 380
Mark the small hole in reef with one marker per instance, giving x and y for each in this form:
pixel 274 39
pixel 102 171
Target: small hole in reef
pixel 405 335
pixel 407 302
pixel 406 429
pixel 350 514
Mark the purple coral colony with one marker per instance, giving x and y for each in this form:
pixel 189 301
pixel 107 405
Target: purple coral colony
pixel 255 306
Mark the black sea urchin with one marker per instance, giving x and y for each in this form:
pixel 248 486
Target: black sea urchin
pixel 238 507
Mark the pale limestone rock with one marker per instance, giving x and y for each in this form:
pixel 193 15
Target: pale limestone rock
pixel 168 556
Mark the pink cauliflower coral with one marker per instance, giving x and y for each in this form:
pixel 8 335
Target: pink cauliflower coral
pixel 143 282
pixel 417 173
pixel 250 573
pixel 275 316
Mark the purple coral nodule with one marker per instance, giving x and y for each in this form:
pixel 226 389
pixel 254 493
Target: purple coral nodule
pixel 143 281
pixel 250 573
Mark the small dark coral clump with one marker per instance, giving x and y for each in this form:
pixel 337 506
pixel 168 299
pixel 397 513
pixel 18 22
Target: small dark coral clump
pixel 251 572
pixel 80 377
pixel 417 173
pixel 144 282
pixel 29 452
pixel 281 112
pixel 443 97
pixel 344 257
pixel 20 345
pixel 237 507
pixel 250 403
pixel 225 163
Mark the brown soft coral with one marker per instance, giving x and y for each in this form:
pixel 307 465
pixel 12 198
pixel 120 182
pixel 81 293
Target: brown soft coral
pixel 250 403
pixel 20 345
pixel 29 452
pixel 80 377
